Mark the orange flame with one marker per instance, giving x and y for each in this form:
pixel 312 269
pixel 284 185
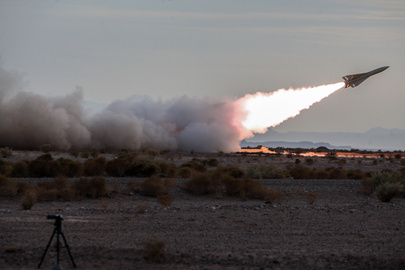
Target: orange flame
pixel 264 110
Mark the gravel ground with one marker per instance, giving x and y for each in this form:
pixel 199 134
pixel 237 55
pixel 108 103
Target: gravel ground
pixel 340 230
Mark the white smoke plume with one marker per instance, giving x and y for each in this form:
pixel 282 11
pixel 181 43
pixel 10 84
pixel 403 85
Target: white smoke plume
pixel 28 120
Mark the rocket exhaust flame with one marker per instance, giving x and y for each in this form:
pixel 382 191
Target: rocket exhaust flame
pixel 28 120
pixel 264 110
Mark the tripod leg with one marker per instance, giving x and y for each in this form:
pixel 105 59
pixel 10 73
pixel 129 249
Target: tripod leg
pixel 68 249
pixel 46 249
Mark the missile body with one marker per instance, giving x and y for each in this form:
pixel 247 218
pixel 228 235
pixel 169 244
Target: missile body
pixel 356 79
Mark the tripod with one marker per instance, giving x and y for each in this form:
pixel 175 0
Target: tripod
pixel 58 230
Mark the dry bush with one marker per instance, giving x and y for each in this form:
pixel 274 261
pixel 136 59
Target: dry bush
pixel 115 188
pixel 274 196
pixel 22 187
pixel 70 168
pixel 213 162
pixel 152 186
pixel 198 184
pixel 44 194
pixel 168 169
pixel 321 174
pixel 94 166
pixel 28 200
pixel 311 197
pixel 8 187
pixel 185 172
pixel 142 167
pixel 233 186
pixel 169 183
pixel 301 172
pixel 165 200
pixel 117 167
pixel 20 169
pixel 388 190
pixel 265 172
pixel 356 174
pixel 195 164
pixel 6 152
pixel 44 166
pixel 98 187
pixel 337 173
pixel 309 161
pixel 94 188
pixel 252 188
pixel 154 249
pixel 228 170
pixel 133 186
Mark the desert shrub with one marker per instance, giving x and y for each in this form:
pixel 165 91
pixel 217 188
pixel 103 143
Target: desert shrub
pixel 169 183
pixel 265 172
pixel 274 196
pixel 321 174
pixel 337 173
pixel 232 186
pixel 20 169
pixel 301 172
pixel 355 174
pixel 228 170
pixel 5 168
pixel 195 164
pixel 133 186
pixel 252 188
pixel 6 152
pixel 94 187
pixel 403 162
pixel 98 187
pixel 70 168
pixel 94 166
pixel 22 187
pixel 297 161
pixel 388 190
pixel 342 161
pixel 44 166
pixel 152 186
pixel 198 184
pixel 154 250
pixel 142 167
pixel 152 152
pixel 213 162
pixel 8 187
pixel 117 167
pixel 309 161
pixel 28 200
pixel 168 169
pixel 185 172
pixel 311 197
pixel 165 200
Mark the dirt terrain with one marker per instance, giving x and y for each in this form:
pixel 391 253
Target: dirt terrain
pixel 340 230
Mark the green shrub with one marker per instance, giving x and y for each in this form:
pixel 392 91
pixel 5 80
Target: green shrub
pixel 388 190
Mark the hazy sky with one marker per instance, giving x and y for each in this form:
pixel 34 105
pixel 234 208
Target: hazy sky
pixel 167 49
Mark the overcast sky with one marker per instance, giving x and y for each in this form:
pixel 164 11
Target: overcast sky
pixel 167 49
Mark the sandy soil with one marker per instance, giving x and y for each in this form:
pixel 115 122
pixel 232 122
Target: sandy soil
pixel 341 230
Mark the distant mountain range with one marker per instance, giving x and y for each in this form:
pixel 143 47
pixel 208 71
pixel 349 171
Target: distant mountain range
pixel 373 139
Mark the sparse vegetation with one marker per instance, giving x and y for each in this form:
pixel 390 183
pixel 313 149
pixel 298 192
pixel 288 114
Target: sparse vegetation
pixel 154 249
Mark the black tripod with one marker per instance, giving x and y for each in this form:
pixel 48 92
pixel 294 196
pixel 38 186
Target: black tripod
pixel 58 230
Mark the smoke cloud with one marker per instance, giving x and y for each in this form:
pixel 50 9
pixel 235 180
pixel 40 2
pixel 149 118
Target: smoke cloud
pixel 28 120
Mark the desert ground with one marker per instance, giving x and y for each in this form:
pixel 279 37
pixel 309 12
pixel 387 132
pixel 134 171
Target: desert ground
pixel 339 228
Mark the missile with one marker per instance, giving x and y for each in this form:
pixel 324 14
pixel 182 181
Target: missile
pixel 356 79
